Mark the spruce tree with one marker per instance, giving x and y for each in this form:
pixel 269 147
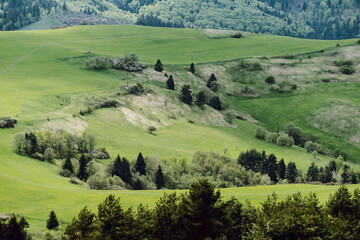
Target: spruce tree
pixel 117 166
pixel 326 176
pixel 211 79
pixel 281 169
pixel 272 167
pixel 200 99
pixel 23 223
pixel 215 103
pixel 52 222
pixel 158 66
pixel 332 166
pixel 159 178
pixel 140 165
pixel 125 173
pixel 192 68
pixel 68 165
pixel 186 94
pixel 170 83
pixel 82 174
pixel 312 173
pixel 13 230
pixel 292 172
pixel 345 176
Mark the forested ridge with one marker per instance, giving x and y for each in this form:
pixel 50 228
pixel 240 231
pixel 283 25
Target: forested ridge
pixel 318 19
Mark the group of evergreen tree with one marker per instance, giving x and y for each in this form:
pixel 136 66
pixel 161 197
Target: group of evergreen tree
pixel 203 214
pixel 12 229
pixel 15 14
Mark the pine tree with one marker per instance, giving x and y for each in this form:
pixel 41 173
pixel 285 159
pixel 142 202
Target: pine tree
pixel 170 83
pixel 159 178
pixel 186 94
pixel 332 166
pixel 125 173
pixel 13 230
pixel 68 165
pixel 117 166
pixel 272 167
pixel 211 79
pixel 281 169
pixel 52 222
pixel 158 66
pixel 326 176
pixel 312 173
pixel 192 68
pixel 200 99
pixel 140 165
pixel 345 176
pixel 82 174
pixel 23 223
pixel 215 103
pixel 292 172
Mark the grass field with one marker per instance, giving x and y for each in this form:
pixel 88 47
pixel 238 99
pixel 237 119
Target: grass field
pixel 42 77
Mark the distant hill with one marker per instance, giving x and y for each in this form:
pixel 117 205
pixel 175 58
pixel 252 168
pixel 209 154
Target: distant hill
pixel 318 19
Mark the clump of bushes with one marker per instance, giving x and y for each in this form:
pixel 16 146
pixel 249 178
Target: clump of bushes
pixel 107 103
pixel 97 63
pixel 270 80
pixel 7 122
pixel 348 70
pixel 343 63
pixel 285 140
pixel 135 89
pixel 128 63
pixel 237 35
pixel 260 133
pixel 248 66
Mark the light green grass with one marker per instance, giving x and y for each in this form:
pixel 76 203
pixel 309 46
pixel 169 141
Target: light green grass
pixel 43 24
pixel 36 83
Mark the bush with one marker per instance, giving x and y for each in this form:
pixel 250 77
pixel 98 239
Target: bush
pixel 49 154
pixel 7 122
pixel 128 63
pixel 229 116
pixel 151 129
pixel 311 146
pixel 260 133
pixel 348 70
pixel 135 89
pixel 237 35
pixel 97 63
pixel 65 173
pixel 98 182
pixel 343 63
pixel 272 137
pixel 285 140
pixel 270 80
pixel 250 66
pixel 100 154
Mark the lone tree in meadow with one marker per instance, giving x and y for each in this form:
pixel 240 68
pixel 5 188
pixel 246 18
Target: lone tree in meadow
pixel 170 83
pixel 52 222
pixel 159 178
pixel 140 165
pixel 200 99
pixel 215 103
pixel 185 96
pixel 158 66
pixel 192 68
pixel 68 165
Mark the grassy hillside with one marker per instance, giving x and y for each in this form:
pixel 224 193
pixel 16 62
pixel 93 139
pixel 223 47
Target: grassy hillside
pixel 44 84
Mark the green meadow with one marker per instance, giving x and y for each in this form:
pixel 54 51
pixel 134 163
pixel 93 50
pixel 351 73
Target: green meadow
pixel 44 85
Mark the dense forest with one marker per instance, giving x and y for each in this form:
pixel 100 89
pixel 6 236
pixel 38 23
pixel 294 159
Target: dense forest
pixel 15 14
pixel 319 19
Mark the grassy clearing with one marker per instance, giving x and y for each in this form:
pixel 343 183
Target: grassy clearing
pixel 43 24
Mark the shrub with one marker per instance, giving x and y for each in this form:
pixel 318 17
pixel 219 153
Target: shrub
pixel 250 66
pixel 229 116
pixel 237 35
pixel 135 89
pixel 260 133
pixel 348 70
pixel 151 129
pixel 97 63
pixel 7 122
pixel 98 182
pixel 128 63
pixel 65 173
pixel 100 154
pixel 272 137
pixel 270 80
pixel 49 154
pixel 311 146
pixel 343 63
pixel 285 140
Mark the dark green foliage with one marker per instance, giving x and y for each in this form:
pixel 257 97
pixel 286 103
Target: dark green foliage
pixel 12 230
pixel 271 167
pixel 97 63
pixel 326 175
pixel 332 166
pixel 215 103
pixel 170 83
pixel 68 165
pixel 82 173
pixel 158 66
pixel 81 227
pixel 281 169
pixel 291 172
pixel 212 83
pixel 140 165
pixel 7 122
pixel 135 89
pixel 270 80
pixel 159 178
pixel 312 173
pixel 52 222
pixel 185 95
pixel 345 175
pixel 249 66
pixel 23 223
pixel 200 99
pixel 192 68
pixel 122 169
pixel 296 133
pixel 251 160
pixel 348 70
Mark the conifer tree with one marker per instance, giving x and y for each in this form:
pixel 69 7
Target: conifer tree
pixel 312 173
pixel 345 176
pixel 200 99
pixel 326 176
pixel 192 68
pixel 117 166
pixel 292 172
pixel 272 167
pixel 332 166
pixel 215 103
pixel 170 83
pixel 211 79
pixel 159 178
pixel 13 230
pixel 52 222
pixel 23 223
pixel 140 165
pixel 186 94
pixel 82 174
pixel 68 165
pixel 125 173
pixel 281 169
pixel 158 66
